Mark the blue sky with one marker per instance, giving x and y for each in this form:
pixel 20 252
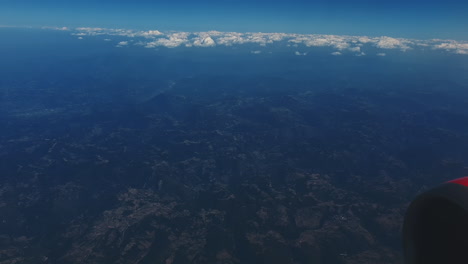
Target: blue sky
pixel 410 19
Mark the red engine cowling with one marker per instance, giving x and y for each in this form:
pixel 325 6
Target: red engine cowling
pixel 436 226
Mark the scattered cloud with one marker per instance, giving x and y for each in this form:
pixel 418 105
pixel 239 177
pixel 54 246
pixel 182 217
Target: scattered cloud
pixel 341 44
pixel 336 53
pixel 453 46
pixel 256 51
pixel 122 44
pixel 172 40
pixel 355 49
pixel 381 54
pixel 57 28
pixel 364 40
pixel 300 53
pixel 338 42
pixel 204 40
pixel 151 33
pixel 393 43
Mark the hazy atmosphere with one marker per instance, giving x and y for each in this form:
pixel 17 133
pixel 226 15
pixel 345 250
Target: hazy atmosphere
pixel 225 131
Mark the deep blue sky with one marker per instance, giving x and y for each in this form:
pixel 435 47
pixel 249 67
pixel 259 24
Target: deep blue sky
pixel 412 18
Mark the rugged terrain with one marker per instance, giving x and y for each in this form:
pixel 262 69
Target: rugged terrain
pixel 213 171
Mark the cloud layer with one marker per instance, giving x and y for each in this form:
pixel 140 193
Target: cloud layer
pixel 341 44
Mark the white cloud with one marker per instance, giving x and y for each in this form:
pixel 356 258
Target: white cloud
pixel 172 40
pixel 82 31
pixel 56 28
pixel 453 46
pixel 300 53
pixel 364 40
pixel 256 51
pixel 80 37
pixel 122 44
pixel 422 44
pixel 393 43
pixel 230 38
pixel 336 53
pixel 355 44
pixel 381 54
pixel 204 41
pixel 338 42
pixel 151 33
